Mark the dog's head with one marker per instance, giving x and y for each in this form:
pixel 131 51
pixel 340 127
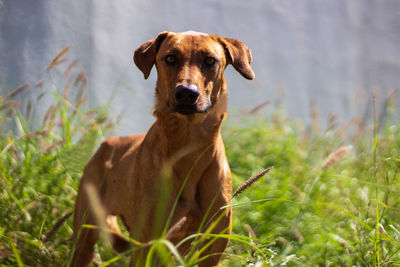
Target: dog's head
pixel 190 68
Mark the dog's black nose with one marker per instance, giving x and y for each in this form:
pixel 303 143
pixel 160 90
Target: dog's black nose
pixel 186 94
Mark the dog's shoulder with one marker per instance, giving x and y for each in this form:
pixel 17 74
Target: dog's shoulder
pixel 117 146
pixel 119 142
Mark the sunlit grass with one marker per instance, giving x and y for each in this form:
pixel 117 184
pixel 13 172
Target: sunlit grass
pixel 331 199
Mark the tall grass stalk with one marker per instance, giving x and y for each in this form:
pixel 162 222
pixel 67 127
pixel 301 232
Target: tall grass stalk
pixel 377 238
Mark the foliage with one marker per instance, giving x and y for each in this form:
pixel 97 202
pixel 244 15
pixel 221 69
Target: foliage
pixel 324 203
pixel 40 166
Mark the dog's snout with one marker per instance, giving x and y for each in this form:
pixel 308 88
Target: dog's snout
pixel 186 94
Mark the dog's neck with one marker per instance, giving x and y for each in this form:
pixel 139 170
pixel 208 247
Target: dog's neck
pixel 183 130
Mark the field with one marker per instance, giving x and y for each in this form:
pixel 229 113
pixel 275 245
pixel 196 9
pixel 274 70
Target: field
pixel 332 198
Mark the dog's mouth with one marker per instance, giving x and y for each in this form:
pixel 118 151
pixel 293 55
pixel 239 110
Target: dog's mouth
pixel 190 109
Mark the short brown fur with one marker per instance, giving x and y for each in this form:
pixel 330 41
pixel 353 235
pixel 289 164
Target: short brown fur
pixel 128 173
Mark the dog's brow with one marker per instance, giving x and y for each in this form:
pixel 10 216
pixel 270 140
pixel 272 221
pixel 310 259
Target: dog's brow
pixel 207 52
pixel 175 51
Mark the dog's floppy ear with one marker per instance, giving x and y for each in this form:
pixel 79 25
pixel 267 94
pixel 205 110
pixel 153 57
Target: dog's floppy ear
pixel 145 55
pixel 239 56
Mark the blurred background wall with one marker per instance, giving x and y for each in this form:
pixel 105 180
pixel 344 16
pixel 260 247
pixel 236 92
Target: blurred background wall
pixel 332 54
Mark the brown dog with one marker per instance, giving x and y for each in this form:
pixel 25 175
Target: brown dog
pixel 139 177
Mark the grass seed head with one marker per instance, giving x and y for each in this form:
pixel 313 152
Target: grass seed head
pixel 57 60
pixel 18 90
pixel 336 156
pixel 69 68
pixel 251 181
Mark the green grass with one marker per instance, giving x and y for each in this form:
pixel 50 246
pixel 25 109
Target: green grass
pixel 41 162
pixel 315 208
pixel 346 214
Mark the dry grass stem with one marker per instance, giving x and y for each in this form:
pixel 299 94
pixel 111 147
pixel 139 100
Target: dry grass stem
pixel 56 226
pixel 66 88
pixel 52 146
pixel 297 191
pixel 80 96
pixel 251 181
pixel 257 108
pixel 40 83
pixel 69 68
pixel 57 59
pixel 81 78
pixel 32 134
pixel 298 235
pixel 78 105
pixel 332 121
pixel 61 60
pixel 10 104
pixel 49 114
pixel 252 234
pixel 336 156
pixel 91 113
pixel 283 241
pixel 18 90
pixel 81 100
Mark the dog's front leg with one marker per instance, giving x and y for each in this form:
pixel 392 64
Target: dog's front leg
pixel 215 250
pixel 185 221
pixel 85 237
pixel 215 189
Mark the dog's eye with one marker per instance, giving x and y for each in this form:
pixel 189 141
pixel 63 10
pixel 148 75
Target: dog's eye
pixel 170 60
pixel 210 61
